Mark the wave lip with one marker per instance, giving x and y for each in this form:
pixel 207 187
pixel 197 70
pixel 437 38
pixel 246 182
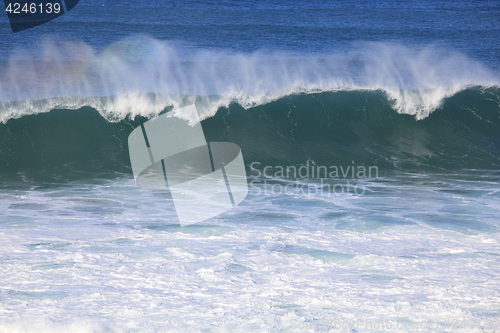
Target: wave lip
pixel 328 128
pixel 142 76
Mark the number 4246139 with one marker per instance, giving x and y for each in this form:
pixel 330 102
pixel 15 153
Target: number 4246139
pixel 33 8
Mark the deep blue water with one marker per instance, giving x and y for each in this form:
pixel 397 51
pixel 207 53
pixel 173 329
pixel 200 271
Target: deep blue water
pixel 410 89
pixel 471 27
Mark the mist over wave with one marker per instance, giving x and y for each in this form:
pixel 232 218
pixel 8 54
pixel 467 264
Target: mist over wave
pixel 140 75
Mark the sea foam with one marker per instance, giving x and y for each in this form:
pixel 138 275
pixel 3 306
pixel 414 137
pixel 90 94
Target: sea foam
pixel 140 75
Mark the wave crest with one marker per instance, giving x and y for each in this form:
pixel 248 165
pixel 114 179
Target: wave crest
pixel 142 76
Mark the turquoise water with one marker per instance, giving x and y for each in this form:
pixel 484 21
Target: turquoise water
pixel 408 93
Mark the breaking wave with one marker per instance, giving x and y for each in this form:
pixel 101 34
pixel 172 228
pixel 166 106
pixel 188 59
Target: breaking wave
pixel 327 128
pixel 142 76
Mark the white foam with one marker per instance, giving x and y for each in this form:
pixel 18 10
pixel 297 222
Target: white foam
pixel 143 76
pixel 101 258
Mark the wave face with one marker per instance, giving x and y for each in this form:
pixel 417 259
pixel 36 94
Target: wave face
pixel 142 76
pixel 327 128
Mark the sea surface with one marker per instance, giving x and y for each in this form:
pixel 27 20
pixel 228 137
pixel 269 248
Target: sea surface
pixel 370 132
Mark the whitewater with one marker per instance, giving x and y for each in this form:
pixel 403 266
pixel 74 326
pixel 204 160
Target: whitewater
pixel 313 93
pixel 143 76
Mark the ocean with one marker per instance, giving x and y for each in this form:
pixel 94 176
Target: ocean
pixel 370 134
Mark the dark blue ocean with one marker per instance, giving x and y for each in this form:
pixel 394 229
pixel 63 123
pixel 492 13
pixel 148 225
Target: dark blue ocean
pixel 370 134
